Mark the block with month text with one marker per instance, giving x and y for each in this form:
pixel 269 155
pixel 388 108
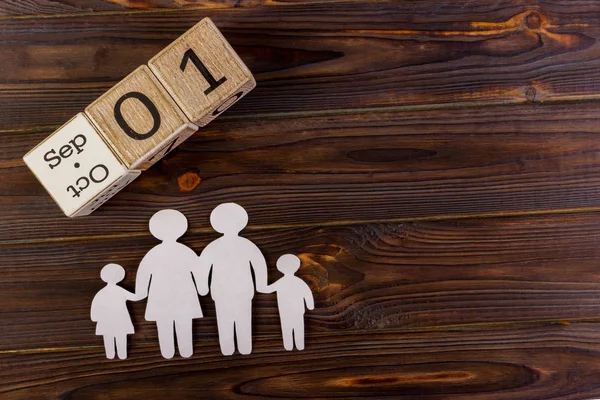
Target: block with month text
pixel 76 166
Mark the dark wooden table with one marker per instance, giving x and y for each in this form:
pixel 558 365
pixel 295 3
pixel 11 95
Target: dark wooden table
pixel 435 164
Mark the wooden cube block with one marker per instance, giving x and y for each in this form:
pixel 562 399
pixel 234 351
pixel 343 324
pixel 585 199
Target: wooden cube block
pixel 76 166
pixel 139 119
pixel 107 193
pixel 202 72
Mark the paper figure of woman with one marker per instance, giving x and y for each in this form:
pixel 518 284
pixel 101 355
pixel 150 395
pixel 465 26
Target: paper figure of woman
pixel 165 276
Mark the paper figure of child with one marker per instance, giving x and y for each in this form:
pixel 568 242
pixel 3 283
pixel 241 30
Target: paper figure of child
pixel 166 276
pixel 109 310
pixel 292 294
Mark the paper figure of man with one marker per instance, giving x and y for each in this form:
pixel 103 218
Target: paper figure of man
pixel 232 259
pixel 109 311
pixel 292 295
pixel 166 277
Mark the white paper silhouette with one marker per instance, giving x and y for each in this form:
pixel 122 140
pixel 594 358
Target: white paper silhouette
pixel 229 262
pixel 165 277
pixel 292 294
pixel 171 276
pixel 109 310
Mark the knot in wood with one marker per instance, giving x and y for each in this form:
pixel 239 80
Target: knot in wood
pixel 530 94
pixel 188 181
pixel 534 20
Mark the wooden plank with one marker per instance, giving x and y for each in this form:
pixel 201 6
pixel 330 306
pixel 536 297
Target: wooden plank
pixel 315 57
pixel 12 8
pixel 552 362
pixel 340 169
pixel 365 277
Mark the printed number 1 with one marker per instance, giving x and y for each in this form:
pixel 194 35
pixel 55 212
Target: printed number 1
pixel 190 55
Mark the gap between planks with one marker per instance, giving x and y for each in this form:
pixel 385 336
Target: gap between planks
pixel 366 110
pixel 498 214
pixel 473 327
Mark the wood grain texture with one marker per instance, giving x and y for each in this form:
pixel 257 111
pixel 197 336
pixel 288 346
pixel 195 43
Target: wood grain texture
pixel 336 169
pixel 434 163
pixel 316 57
pixel 139 133
pixel 423 275
pixel 552 362
pixel 12 8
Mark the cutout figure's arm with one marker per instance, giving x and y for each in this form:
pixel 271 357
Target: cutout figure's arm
pixel 127 295
pixel 272 287
pixel 142 279
pixel 94 312
pixel 259 265
pixel 308 298
pixel 202 271
pixel 132 296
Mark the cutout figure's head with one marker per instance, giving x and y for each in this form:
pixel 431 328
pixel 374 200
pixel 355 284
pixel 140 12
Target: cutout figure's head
pixel 112 273
pixel 168 225
pixel 229 218
pixel 288 264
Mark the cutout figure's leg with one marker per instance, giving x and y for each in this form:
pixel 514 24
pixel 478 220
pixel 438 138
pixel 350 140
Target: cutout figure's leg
pixel 288 339
pixel 225 326
pixel 299 333
pixel 166 338
pixel 243 327
pixel 286 332
pixel 122 346
pixel 109 346
pixel 183 331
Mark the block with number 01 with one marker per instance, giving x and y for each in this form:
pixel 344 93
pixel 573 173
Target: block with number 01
pixel 140 119
pixel 202 73
pixel 78 168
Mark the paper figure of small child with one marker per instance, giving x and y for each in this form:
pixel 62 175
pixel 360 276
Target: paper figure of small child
pixel 292 295
pixel 109 310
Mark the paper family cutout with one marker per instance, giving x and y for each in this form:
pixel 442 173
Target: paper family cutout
pixel 171 276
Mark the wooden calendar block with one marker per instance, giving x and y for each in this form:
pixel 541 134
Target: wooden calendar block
pixel 202 72
pixel 139 119
pixel 76 165
pixel 107 193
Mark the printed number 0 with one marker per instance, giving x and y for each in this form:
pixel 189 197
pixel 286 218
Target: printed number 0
pixel 126 127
